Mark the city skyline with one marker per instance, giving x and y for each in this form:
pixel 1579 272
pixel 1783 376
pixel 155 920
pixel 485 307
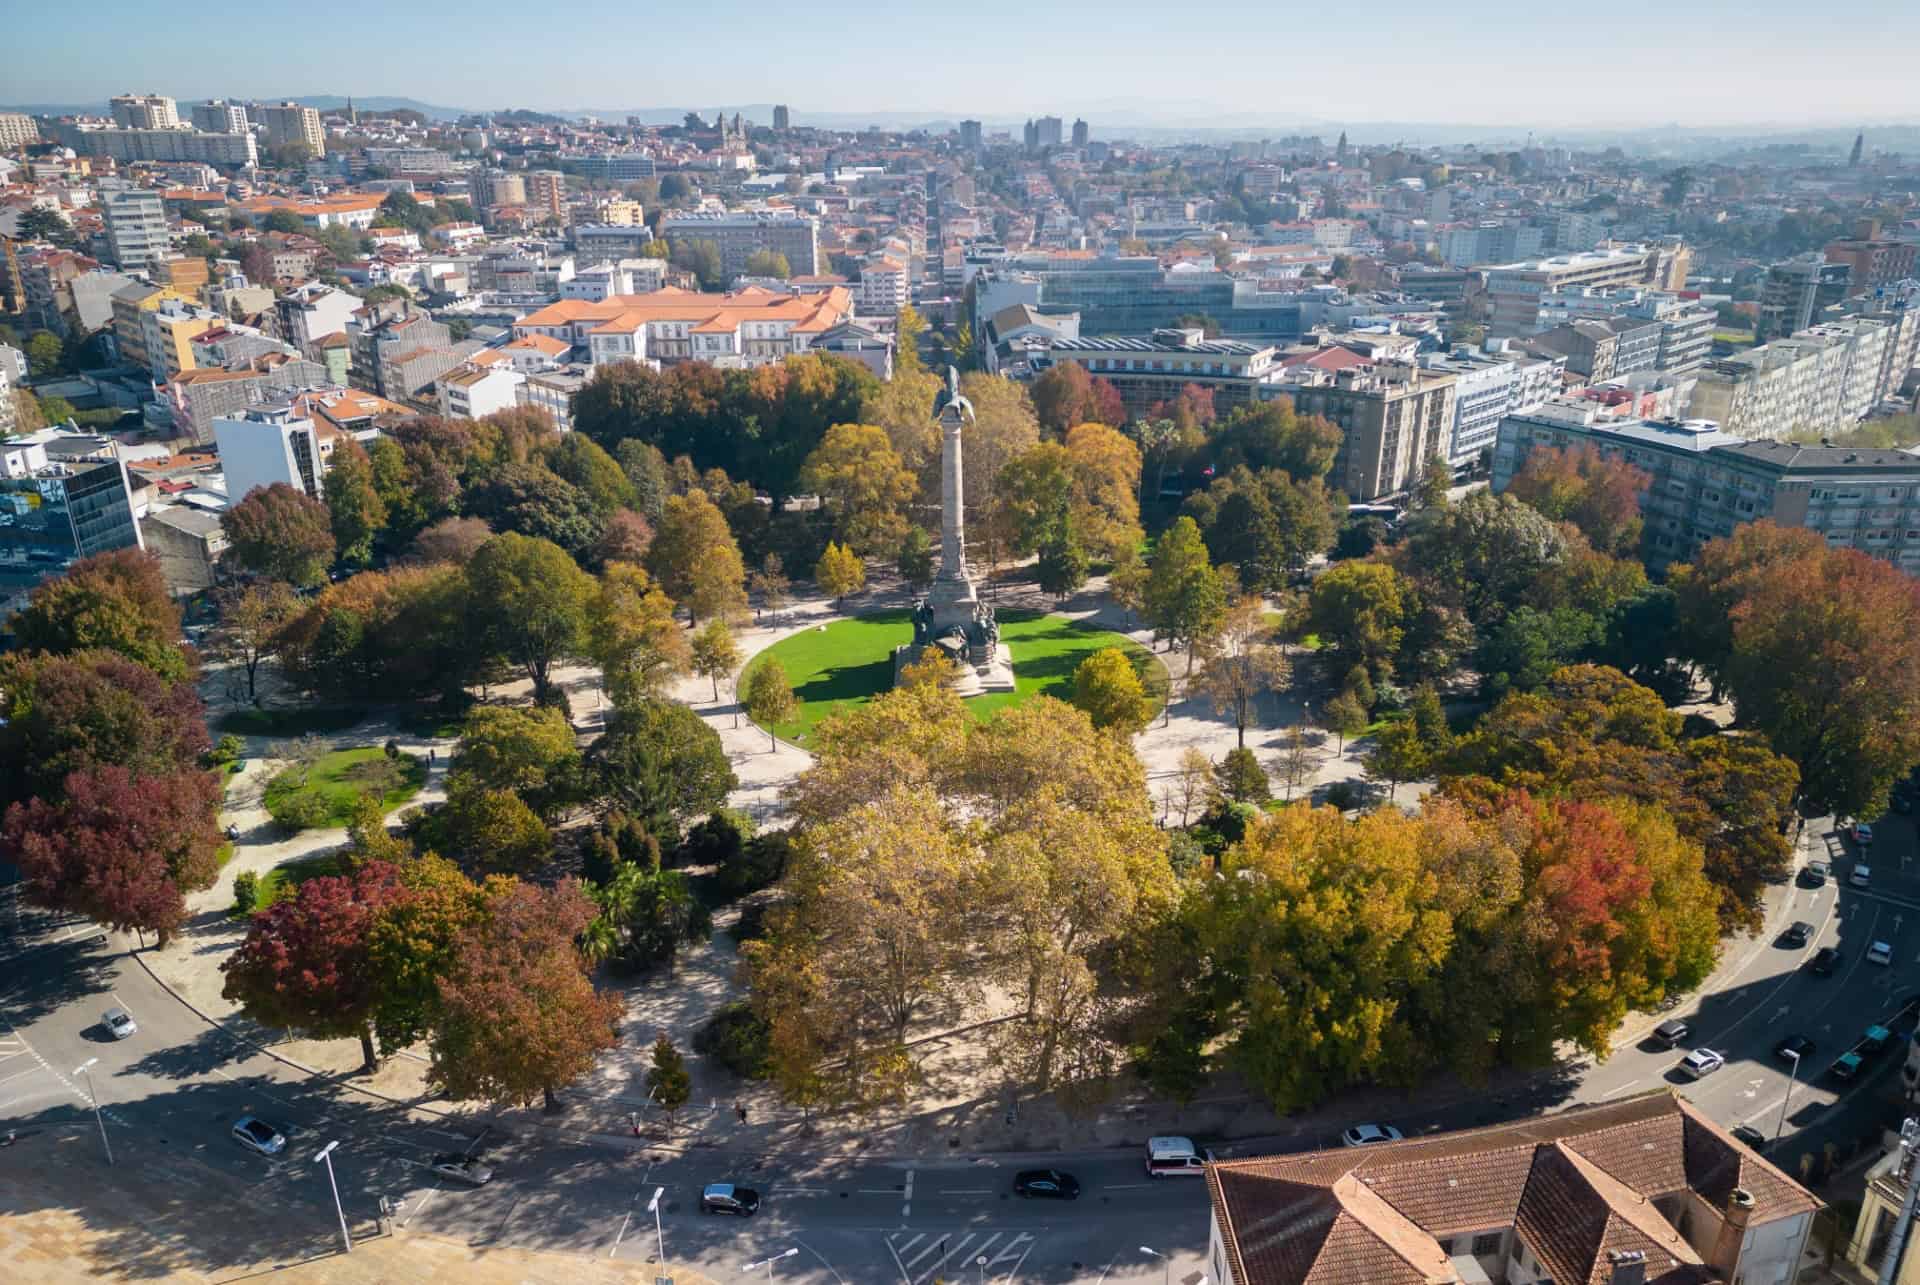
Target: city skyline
pixel 1317 69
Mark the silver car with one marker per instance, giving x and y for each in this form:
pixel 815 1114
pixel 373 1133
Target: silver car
pixel 257 1135
pixel 458 1168
pixel 119 1023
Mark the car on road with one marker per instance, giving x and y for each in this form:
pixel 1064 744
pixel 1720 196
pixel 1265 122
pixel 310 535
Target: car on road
pixel 1046 1184
pixel 1798 934
pixel 1845 1067
pixel 1862 834
pixel 1860 876
pixel 459 1168
pixel 1747 1134
pixel 1793 1048
pixel 725 1198
pixel 1880 953
pixel 1671 1032
pixel 257 1135
pixel 1824 962
pixel 1362 1135
pixel 1701 1063
pixel 1814 874
pixel 119 1023
pixel 1874 1042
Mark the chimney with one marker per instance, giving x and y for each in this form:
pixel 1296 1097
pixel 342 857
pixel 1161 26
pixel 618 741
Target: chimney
pixel 1733 1232
pixel 1626 1267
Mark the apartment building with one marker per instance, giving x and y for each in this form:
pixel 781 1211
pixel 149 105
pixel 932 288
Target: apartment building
pixel 1601 348
pixel 609 242
pixel 1644 1190
pixel 624 167
pixel 884 288
pixel 265 445
pixel 309 313
pixel 289 122
pixel 1514 290
pixel 752 327
pixel 1873 262
pixel 196 398
pixel 497 188
pixel 1817 380
pixel 234 151
pixel 1489 386
pixel 1706 482
pixel 62 498
pixel 17 129
pixel 547 193
pixel 472 391
pixel 167 335
pixel 1798 291
pixel 345 209
pixel 740 234
pixel 144 111
pixel 1392 418
pixel 412 160
pixel 552 391
pixel 219 116
pixel 1152 370
pixel 1686 326
pixel 136 223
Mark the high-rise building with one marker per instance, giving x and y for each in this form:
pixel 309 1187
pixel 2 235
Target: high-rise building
pixel 237 150
pixel 61 505
pixel 1049 131
pixel 145 111
pixel 547 192
pixel 136 228
pixel 1079 133
pixel 219 116
pixel 1514 289
pixel 497 187
pixel 17 129
pixel 289 122
pixel 1874 262
pixel 266 444
pixel 1797 292
pixel 782 119
pixel 1393 418
pixel 970 134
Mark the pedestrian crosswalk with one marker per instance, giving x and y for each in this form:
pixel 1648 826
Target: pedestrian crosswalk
pixel 968 1255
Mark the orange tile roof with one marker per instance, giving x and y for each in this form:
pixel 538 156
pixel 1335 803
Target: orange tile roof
pixel 541 344
pixel 708 312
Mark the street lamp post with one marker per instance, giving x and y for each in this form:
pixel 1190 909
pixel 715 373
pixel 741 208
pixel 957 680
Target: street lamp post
pixel 981 1263
pixel 660 1237
pixel 1781 1127
pixel 1166 1261
pixel 326 1154
pixel 768 1263
pixel 86 1069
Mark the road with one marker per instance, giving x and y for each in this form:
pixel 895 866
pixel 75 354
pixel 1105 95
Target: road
pixel 169 1095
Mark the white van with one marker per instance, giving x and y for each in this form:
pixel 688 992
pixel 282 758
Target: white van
pixel 1170 1156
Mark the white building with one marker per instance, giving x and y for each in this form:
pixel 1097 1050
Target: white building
pixel 218 116
pixel 144 111
pixel 1822 379
pixel 312 311
pixel 136 229
pixel 268 444
pixel 884 288
pixel 289 122
pixel 473 391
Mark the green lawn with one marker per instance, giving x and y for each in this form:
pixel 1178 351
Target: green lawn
pixel 849 662
pixel 289 722
pixel 281 881
pixel 338 779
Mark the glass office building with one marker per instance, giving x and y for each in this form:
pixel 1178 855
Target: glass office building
pixel 53 513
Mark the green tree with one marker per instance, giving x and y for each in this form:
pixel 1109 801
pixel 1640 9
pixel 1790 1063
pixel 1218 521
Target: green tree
pixel 702 258
pixel 769 698
pixel 1239 778
pixel 46 355
pixel 1242 664
pixel 860 478
pixel 528 750
pixel 668 1084
pixel 1398 754
pixel 660 764
pixel 915 559
pixel 633 636
pixel 715 653
pixel 1062 565
pixel 695 558
pixel 1185 600
pixel 1359 610
pixel 768 263
pixel 493 826
pixel 1346 717
pixel 529 603
pixel 280 532
pixel 1108 688
pixel 117 601
pixel 354 508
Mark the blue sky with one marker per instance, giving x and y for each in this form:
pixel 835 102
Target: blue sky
pixel 1633 62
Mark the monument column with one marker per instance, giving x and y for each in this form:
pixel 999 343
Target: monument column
pixel 953 500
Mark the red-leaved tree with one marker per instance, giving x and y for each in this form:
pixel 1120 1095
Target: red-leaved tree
pixel 122 848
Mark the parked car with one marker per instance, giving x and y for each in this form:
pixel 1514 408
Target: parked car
pixel 1863 834
pixel 1749 1136
pixel 1874 1042
pixel 1362 1135
pixel 459 1168
pixel 1793 1048
pixel 1880 953
pixel 725 1198
pixel 1701 1063
pixel 1797 934
pixel 1814 874
pixel 1824 962
pixel 257 1135
pixel 1845 1067
pixel 1046 1184
pixel 119 1023
pixel 1861 874
pixel 1671 1032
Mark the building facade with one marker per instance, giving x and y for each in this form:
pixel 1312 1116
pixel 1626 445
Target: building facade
pixel 218 116
pixel 740 234
pixel 17 129
pixel 1514 290
pixel 1149 371
pixel 1821 379
pixel 136 223
pixel 1391 417
pixel 265 445
pixel 1796 292
pixel 289 122
pixel 58 506
pixel 144 111
pixel 235 151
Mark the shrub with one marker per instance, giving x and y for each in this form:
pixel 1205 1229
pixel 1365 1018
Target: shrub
pixel 717 841
pixel 226 750
pixel 751 926
pixel 246 892
pixel 760 864
pixel 737 1039
pixel 1184 852
pixel 292 805
pixel 1240 777
pixel 1343 795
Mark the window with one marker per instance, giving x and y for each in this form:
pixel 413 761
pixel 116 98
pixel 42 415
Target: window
pixel 1486 1244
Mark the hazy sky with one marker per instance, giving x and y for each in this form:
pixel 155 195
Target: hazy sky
pixel 1696 62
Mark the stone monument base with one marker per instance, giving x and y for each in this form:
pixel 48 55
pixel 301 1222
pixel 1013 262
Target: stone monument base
pixel 971 680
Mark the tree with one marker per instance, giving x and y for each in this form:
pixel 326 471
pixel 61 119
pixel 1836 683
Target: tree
pixel 715 653
pixel 305 961
pixel 1108 688
pixel 660 764
pixel 1242 664
pixel 631 634
pixel 769 698
pixel 1185 599
pixel 528 750
pixel 1264 525
pixel 1127 582
pixel 1722 574
pixel 411 943
pixel 493 826
pixel 1482 554
pixel 1035 491
pixel 280 532
pixel 1191 781
pixel 118 601
pixel 1063 396
pixel 532 500
pixel 54 409
pixel 669 1086
pixel 251 618
pixel 119 847
pixel 1004 428
pixel 46 355
pixel 915 559
pixel 1398 754
pixel 1360 611
pixel 453 540
pixel 695 559
pixel 519 1016
pixel 1062 565
pixel 1599 494
pixel 530 603
pixel 354 508
pixel 859 477
pixel 1105 468
pixel 1299 761
pixel 582 462
pixel 1269 435
pixel 702 258
pixel 1347 717
pixel 768 263
pixel 840 572
pixel 770 585
pixel 88 710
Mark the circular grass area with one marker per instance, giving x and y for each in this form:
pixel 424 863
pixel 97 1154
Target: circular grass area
pixel 847 663
pixel 308 798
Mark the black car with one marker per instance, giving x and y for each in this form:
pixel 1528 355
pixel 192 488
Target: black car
pixel 1749 1135
pixel 725 1198
pixel 1815 874
pixel 1046 1184
pixel 1824 961
pixel 1793 1048
pixel 1797 935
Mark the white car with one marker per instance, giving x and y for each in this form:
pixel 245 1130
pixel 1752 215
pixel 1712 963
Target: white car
pixel 1701 1063
pixel 1861 874
pixel 459 1168
pixel 1361 1135
pixel 1880 953
pixel 119 1023
pixel 1863 834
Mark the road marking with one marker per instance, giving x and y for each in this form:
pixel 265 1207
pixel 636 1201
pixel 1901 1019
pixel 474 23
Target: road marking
pixel 906 1209
pixel 623 1232
pixel 32 1070
pixel 1614 1093
pixel 966 1191
pixel 1012 1271
pixel 422 1206
pixel 823 1261
pixel 802 1191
